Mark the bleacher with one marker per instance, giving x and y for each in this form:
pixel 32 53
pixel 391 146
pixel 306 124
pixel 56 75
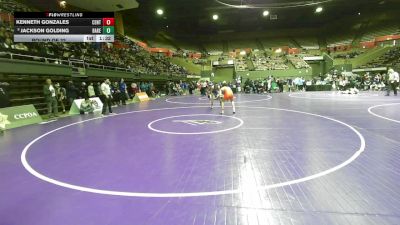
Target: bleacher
pixel 214 47
pixel 276 42
pixel 242 44
pixel 298 62
pixel 262 62
pixel 307 43
pixel 189 47
pixel 340 40
pixel 380 31
pixel 348 54
pixel 241 64
pixel 389 59
pixel 10 6
pixel 160 44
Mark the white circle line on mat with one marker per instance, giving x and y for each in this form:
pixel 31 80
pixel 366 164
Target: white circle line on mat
pixel 382 117
pixel 35 173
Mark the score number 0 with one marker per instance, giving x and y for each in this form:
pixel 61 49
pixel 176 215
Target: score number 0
pixel 108 21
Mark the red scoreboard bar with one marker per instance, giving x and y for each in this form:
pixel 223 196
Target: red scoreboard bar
pixel 108 21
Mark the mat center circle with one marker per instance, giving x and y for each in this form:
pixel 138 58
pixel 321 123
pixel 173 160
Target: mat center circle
pixel 195 124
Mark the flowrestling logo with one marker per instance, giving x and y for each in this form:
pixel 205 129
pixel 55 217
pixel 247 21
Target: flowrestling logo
pixel 198 122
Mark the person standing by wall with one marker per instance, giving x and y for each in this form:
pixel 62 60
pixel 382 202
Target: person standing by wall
pixel 51 98
pixel 123 91
pixel 134 89
pixel 83 91
pixel 106 96
pixel 393 82
pixel 191 87
pixel 4 95
pixel 72 92
pixel 203 89
pixel 61 95
pixel 97 89
pixel 290 84
pixel 91 92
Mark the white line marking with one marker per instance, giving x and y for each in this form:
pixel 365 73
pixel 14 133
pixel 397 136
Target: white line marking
pixel 170 100
pixel 386 118
pixel 192 133
pixel 28 167
pixel 46 122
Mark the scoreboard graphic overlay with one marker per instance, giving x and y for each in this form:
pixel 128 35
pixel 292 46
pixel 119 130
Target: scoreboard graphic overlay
pixel 64 27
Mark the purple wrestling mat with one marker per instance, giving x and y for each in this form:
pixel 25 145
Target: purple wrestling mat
pixel 283 159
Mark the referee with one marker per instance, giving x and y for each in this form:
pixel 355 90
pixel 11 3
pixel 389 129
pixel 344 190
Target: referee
pixel 106 96
pixel 393 82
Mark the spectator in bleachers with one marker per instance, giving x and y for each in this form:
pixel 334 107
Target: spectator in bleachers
pixel 132 56
pixel 50 96
pixel 4 95
pixel 61 95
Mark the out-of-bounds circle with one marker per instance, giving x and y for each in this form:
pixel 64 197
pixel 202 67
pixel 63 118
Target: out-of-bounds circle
pixel 35 173
pixel 178 100
pixel 195 123
pixel 336 96
pixel 380 116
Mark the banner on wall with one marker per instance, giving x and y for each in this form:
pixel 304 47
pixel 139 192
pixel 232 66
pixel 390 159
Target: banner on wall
pixel 18 116
pixel 76 106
